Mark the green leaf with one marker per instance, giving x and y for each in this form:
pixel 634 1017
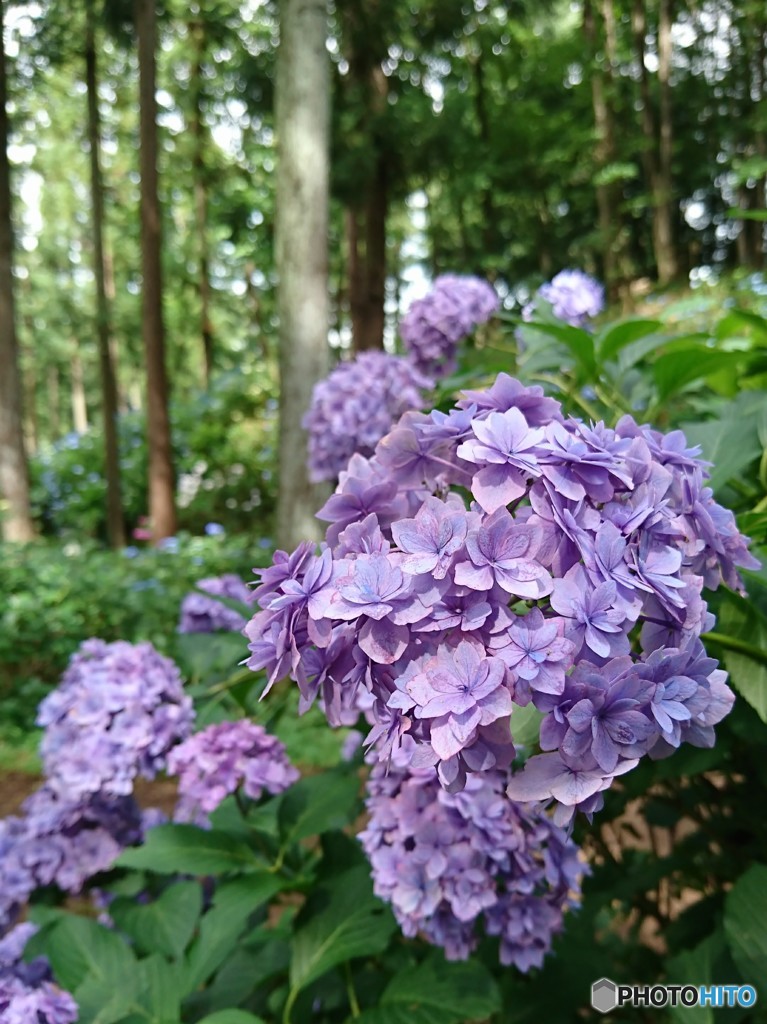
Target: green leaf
pixel 163 988
pixel 164 926
pixel 740 621
pixel 696 967
pixel 730 442
pixel 526 725
pixel 210 655
pixel 437 992
pixel 673 371
pixel 745 924
pixel 317 804
pixel 610 340
pixel 749 678
pixel 343 920
pixel 78 946
pixel 221 927
pixel 97 966
pixel 232 1017
pixel 579 342
pixel 187 849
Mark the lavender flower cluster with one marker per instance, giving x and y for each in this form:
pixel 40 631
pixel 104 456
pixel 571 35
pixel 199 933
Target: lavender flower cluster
pixel 27 992
pixel 434 325
pixel 219 759
pixel 118 710
pixel 446 861
pixel 573 581
pixel 355 405
pixel 575 297
pixel 203 614
pixel 61 841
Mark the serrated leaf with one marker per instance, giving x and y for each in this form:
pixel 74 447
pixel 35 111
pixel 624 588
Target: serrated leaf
pixel 437 992
pixel 221 927
pixel 164 926
pixel 345 920
pixel 187 849
pixel 317 804
pixel 745 924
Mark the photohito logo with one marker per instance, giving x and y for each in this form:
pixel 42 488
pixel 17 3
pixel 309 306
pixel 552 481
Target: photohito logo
pixel 606 995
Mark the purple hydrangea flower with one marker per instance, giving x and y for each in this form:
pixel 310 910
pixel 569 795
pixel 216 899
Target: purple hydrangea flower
pixel 434 325
pixel 574 297
pixel 60 841
pixel 118 710
pixel 222 758
pixel 45 1003
pixel 576 571
pixel 446 861
pixel 356 405
pixel 203 614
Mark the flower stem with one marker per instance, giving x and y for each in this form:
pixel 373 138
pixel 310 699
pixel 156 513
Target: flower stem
pixel 732 643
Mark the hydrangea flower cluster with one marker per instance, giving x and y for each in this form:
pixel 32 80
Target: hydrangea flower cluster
pixel 575 297
pixel 446 861
pixel 434 325
pixel 63 842
pixel 573 580
pixel 118 710
pixel 203 614
pixel 27 992
pixel 219 759
pixel 355 405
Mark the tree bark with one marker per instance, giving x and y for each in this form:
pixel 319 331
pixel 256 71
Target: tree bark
pixel 656 159
pixel 16 517
pixel 197 33
pixel 301 249
pixel 53 389
pixel 162 509
pixel 367 268
pixel 115 522
pixel 77 390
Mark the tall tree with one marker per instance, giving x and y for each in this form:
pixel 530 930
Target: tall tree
pixel 302 115
pixel 162 508
pixel 199 172
pixel 14 477
pixel 115 523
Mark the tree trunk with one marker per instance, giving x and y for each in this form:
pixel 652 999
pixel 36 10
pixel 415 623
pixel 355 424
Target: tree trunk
pixel 115 523
pixel 162 509
pixel 53 388
pixel 667 256
pixel 607 193
pixel 657 177
pixel 77 390
pixel 301 249
pixel 367 286
pixel 16 515
pixel 197 33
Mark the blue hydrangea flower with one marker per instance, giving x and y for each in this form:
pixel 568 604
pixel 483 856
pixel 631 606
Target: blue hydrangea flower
pixel 204 614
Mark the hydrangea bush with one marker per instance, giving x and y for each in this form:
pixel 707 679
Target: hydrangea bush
pixel 119 709
pixel 201 613
pixel 222 758
pixel 446 860
pixel 434 325
pixel 502 554
pixel 574 296
pixel 355 405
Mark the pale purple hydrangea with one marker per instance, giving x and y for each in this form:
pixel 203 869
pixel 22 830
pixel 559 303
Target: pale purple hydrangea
pixel 572 580
pixel 575 297
pixel 201 613
pixel 223 758
pixel 434 325
pixel 61 841
pixel 355 405
pixel 118 710
pixel 453 864
pixel 28 994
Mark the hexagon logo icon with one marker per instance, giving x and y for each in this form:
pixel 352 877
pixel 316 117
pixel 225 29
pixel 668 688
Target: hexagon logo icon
pixel 604 995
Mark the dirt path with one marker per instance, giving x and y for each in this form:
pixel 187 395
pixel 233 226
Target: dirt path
pixel 15 787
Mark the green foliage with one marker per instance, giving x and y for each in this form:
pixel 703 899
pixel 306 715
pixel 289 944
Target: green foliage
pixel 52 598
